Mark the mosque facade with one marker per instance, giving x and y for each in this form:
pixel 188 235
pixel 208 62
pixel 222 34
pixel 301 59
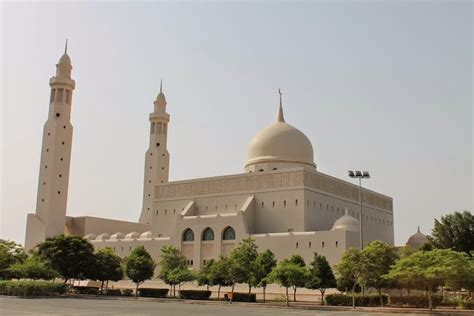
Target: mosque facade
pixel 280 199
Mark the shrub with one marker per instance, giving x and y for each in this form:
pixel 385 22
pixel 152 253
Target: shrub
pixel 415 300
pixel 90 290
pixel 31 288
pixel 126 292
pixel 241 297
pixel 360 300
pixel 114 292
pixel 148 292
pixel 195 294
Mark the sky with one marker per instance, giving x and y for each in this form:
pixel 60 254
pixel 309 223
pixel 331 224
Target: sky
pixel 384 86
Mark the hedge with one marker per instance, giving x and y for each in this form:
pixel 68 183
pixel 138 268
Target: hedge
pixel 360 300
pixel 415 300
pixel 90 290
pixel 126 292
pixel 195 294
pixel 241 297
pixel 149 292
pixel 113 292
pixel 32 288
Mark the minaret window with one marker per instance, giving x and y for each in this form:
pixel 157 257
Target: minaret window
pixel 152 129
pixel 68 96
pixel 53 94
pixel 158 128
pixel 58 114
pixel 165 128
pixel 158 144
pixel 60 95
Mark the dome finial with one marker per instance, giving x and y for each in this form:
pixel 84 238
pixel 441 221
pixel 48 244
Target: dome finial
pixel 65 47
pixel 161 86
pixel 418 229
pixel 281 118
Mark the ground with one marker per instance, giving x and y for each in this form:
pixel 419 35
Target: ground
pixel 75 306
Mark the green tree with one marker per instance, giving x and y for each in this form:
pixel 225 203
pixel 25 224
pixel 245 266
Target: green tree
pixel 454 231
pixel 179 276
pixel 378 258
pixel 430 269
pixel 204 276
pixel 139 266
pixel 299 261
pixel 108 267
pixel 221 274
pixel 288 274
pixel 171 263
pixel 350 269
pixel 242 262
pixel 71 256
pixel 10 253
pixel 321 276
pixel 33 268
pixel 265 262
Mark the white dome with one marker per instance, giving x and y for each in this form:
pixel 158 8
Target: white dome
pixel 279 145
pixel 103 236
pixel 417 240
pixel 90 236
pixel 117 236
pixel 132 235
pixel 347 223
pixel 147 234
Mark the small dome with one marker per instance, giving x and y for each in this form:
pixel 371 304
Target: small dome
pixel 65 59
pixel 103 236
pixel 147 234
pixel 117 236
pixel 347 223
pixel 132 235
pixel 90 236
pixel 417 240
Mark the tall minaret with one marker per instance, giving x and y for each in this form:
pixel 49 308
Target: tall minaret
pixel 157 159
pixel 51 203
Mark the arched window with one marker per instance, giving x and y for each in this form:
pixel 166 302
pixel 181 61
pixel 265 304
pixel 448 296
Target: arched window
pixel 208 234
pixel 188 235
pixel 229 234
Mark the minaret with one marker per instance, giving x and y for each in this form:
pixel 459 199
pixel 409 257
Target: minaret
pixel 51 203
pixel 157 158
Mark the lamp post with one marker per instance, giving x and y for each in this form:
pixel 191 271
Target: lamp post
pixel 360 175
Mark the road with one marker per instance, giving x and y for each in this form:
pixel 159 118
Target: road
pixel 80 306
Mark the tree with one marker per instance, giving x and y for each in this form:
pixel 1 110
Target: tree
pixel 171 263
pixel 10 253
pixel 265 262
pixel 378 258
pixel 351 268
pixel 430 269
pixel 139 266
pixel 180 276
pixel 242 262
pixel 299 261
pixel 288 274
pixel 204 276
pixel 221 274
pixel 108 267
pixel 32 268
pixel 71 256
pixel 454 231
pixel 321 276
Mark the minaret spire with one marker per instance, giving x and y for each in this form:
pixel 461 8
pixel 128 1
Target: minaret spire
pixel 161 86
pixel 281 118
pixel 65 47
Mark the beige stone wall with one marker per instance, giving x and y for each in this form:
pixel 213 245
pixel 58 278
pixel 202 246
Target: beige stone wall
pixel 95 225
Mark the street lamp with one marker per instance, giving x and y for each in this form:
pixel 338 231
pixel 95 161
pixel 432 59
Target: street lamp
pixel 360 175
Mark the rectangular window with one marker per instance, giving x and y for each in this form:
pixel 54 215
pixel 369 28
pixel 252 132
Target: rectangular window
pixel 53 94
pixel 60 95
pixel 158 128
pixel 152 128
pixel 165 128
pixel 68 96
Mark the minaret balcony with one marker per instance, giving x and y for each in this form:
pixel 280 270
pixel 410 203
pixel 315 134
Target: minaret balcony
pixel 159 116
pixel 62 81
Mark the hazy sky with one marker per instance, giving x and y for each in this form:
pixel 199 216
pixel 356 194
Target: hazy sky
pixel 376 85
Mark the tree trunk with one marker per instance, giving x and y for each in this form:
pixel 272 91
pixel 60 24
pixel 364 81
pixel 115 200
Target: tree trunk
pixel 102 287
pixel 264 288
pixel 250 289
pixel 353 296
pixel 380 296
pixel 136 290
pixel 232 292
pixel 218 292
pixel 322 296
pixel 106 286
pixel 430 299
pixel 287 298
pixel 294 294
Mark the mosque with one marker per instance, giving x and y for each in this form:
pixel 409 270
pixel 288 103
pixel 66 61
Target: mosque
pixel 280 199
